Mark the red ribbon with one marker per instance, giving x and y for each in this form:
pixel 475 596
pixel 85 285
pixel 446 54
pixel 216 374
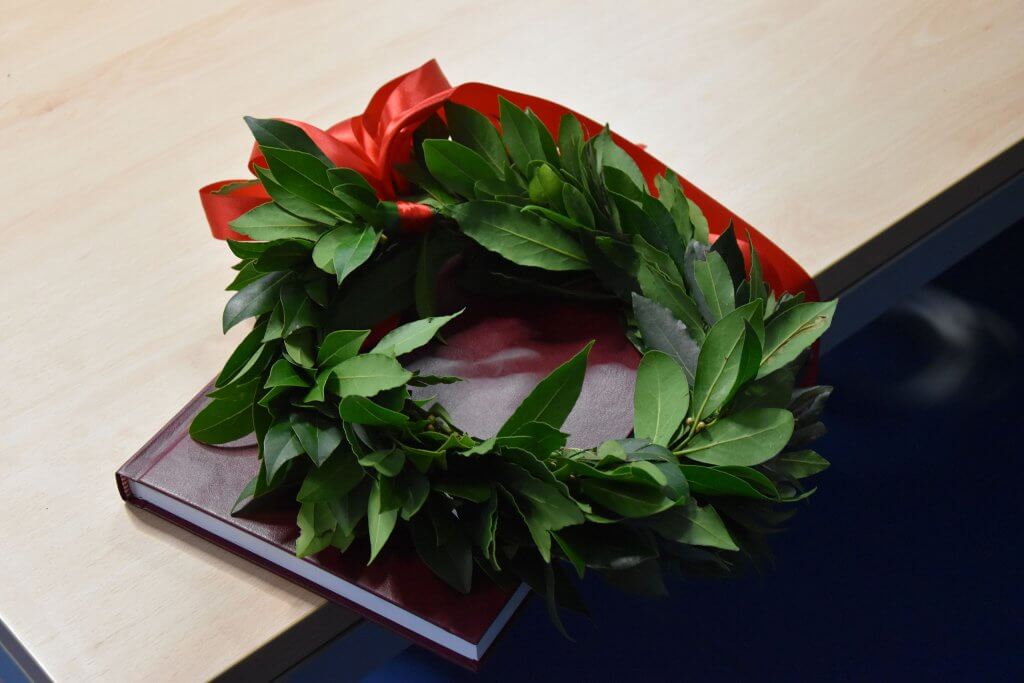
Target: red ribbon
pixel 373 142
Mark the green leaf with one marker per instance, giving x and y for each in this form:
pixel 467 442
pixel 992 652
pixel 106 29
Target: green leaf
pixel 521 237
pixel 520 135
pixel 348 176
pixel 799 464
pixel 233 186
pixel 293 204
pixel 474 130
pixel 319 391
pixel 380 523
pixel 283 255
pixel 715 293
pixel 555 217
pixel 431 380
pixel 415 488
pixel 712 481
pixel 546 189
pixel 319 436
pixel 451 560
pixel 284 135
pixel 298 310
pixel 270 222
pixel 628 500
pixel 388 462
pixel 670 194
pixel 246 274
pixel 646 217
pixel 226 419
pixel 477 491
pixel 342 541
pixel 339 346
pixel 369 374
pixel 753 311
pixel 609 154
pixel 411 336
pixel 577 207
pixel 747 438
pixel 284 374
pixel 612 262
pixel 306 177
pixel 570 143
pixel 758 288
pixel 348 510
pixel 663 476
pixel 246 496
pixel 259 362
pixel 723 358
pixel 356 194
pixel 571 554
pixel 298 347
pixel 313 536
pixel 542 506
pixel 788 334
pixel 269 399
pixel 757 480
pixel 352 249
pixel 621 184
pixel 770 391
pixel 632 450
pixel 699 222
pixel 279 446
pixel 661 398
pixel 426 280
pixel 235 391
pixel 256 298
pixel 274 328
pixel 726 247
pixel 456 166
pixel 553 398
pixel 547 143
pixel 246 250
pixel 361 410
pixel 332 480
pixel 264 484
pixel 694 525
pixel 667 290
pixel 663 332
pixel 537 438
pixel 243 354
pixel 323 250
pixel 484 529
pixel 373 294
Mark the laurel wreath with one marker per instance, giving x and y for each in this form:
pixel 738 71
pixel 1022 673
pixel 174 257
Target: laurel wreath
pixel 721 429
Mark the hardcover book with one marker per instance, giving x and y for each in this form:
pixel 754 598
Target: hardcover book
pixel 500 356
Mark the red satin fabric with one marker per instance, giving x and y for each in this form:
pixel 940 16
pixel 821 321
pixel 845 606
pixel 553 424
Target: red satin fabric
pixel 414 217
pixel 373 142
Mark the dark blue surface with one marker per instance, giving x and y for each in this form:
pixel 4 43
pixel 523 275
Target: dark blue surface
pixel 902 566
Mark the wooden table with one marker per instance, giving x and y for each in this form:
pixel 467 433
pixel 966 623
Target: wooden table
pixel 845 131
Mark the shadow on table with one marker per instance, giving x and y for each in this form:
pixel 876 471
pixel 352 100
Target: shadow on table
pixel 902 564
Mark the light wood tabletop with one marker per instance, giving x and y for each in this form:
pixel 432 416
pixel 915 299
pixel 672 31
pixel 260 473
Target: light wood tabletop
pixel 845 131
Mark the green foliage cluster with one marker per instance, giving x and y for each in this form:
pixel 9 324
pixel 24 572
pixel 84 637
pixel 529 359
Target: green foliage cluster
pixel 721 431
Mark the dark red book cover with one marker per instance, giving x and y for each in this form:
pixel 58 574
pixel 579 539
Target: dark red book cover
pixel 501 358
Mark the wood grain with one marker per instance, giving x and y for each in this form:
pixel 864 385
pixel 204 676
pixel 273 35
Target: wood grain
pixel 828 125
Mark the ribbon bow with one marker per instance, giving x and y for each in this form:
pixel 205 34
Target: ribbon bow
pixel 373 142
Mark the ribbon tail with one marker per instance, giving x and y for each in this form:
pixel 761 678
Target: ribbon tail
pixel 226 200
